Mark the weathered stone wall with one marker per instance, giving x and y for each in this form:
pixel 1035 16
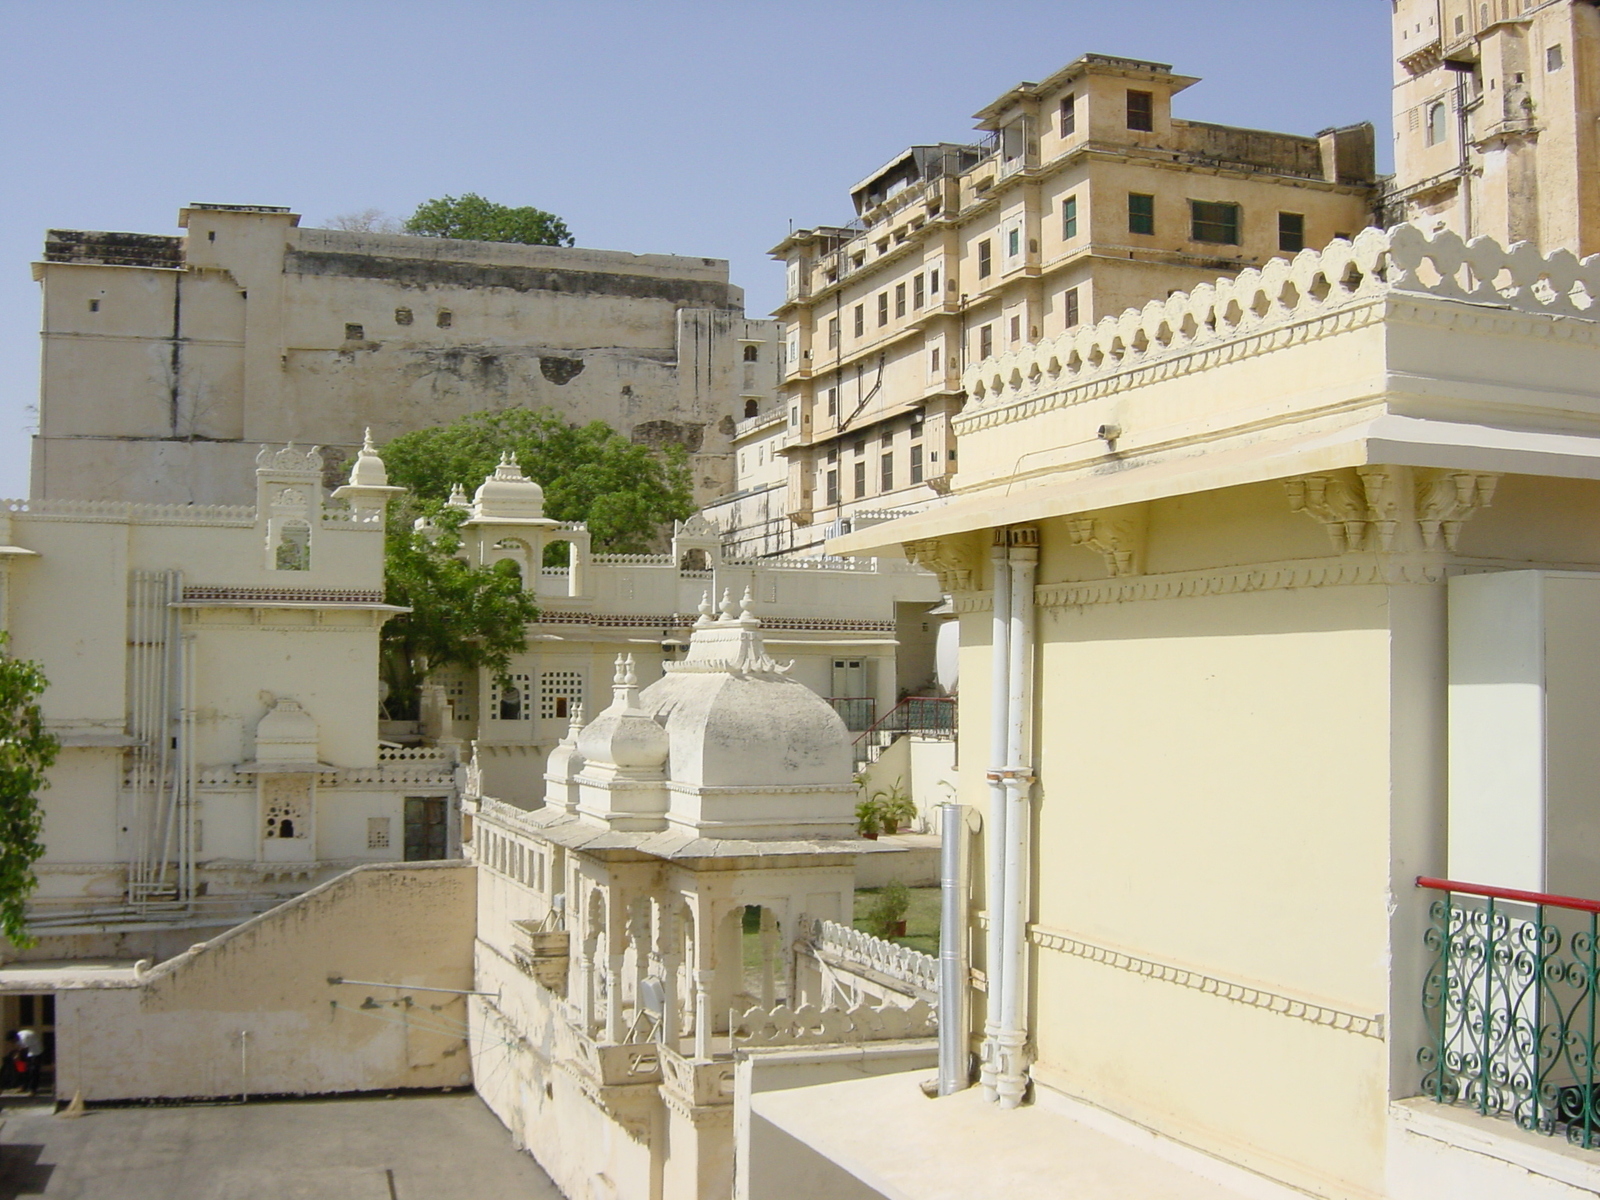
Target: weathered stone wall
pixel 253 1011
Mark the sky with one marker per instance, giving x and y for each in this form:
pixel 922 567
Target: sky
pixel 698 127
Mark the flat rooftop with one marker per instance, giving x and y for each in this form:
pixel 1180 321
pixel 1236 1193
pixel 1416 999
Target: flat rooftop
pixel 405 1148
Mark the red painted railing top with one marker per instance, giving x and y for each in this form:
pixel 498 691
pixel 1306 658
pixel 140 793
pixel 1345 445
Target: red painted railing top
pixel 1478 889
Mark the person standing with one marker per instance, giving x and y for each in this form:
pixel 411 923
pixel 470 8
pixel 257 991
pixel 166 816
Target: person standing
pixel 32 1047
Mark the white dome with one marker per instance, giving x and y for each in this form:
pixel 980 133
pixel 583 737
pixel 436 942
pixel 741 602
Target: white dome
pixel 624 735
pixel 508 495
pixel 369 470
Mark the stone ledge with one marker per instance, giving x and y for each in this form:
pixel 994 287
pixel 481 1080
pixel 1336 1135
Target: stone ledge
pixel 1500 1139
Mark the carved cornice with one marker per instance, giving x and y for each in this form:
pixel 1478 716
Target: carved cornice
pixel 953 559
pixel 1367 512
pixel 1295 1008
pixel 1118 538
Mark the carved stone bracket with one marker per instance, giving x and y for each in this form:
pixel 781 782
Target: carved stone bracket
pixel 1367 513
pixel 1118 539
pixel 954 560
pixel 1446 499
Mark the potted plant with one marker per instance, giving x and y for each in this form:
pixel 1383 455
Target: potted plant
pixel 887 916
pixel 895 807
pixel 868 820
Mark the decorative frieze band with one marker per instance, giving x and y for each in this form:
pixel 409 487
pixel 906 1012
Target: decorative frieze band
pixel 687 620
pixel 1342 572
pixel 1239 993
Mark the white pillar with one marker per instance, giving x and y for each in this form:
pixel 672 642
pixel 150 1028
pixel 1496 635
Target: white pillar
pixel 702 1013
pixel 994 833
pixel 1012 1041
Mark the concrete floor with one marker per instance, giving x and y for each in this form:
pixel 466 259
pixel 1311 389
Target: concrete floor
pixel 407 1148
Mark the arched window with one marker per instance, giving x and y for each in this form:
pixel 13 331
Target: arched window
pixel 752 407
pixel 1436 123
pixel 752 354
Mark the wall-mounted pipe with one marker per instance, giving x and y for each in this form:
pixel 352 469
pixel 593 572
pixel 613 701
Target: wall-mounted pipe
pixel 953 1076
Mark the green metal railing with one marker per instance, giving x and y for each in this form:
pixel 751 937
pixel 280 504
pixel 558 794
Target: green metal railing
pixel 1510 1000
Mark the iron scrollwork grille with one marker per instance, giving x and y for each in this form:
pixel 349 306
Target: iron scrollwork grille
pixel 1510 1001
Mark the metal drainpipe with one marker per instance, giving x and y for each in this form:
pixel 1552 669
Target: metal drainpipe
pixel 1011 1042
pixel 994 833
pixel 953 1075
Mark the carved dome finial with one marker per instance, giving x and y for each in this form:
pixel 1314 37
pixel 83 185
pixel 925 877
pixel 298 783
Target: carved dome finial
pixel 705 618
pixel 727 606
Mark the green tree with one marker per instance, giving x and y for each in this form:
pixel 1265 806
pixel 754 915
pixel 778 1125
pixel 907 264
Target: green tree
pixel 625 492
pixel 475 219
pixel 461 615
pixel 26 753
pixel 476 617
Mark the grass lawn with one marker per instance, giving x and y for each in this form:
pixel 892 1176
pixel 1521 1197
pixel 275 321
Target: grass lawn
pixel 922 918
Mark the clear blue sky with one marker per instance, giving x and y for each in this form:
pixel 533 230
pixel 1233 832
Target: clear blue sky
pixel 693 127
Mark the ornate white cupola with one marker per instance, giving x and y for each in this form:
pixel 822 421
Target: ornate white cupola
pixel 507 521
pixel 564 765
pixel 368 492
pixel 624 752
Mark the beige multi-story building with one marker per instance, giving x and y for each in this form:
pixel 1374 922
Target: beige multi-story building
pixel 1084 197
pixel 168 360
pixel 1495 111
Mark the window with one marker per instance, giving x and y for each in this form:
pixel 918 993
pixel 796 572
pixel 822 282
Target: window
pixel 899 299
pixel 916 464
pixel 444 320
pixel 1013 243
pixel 1216 223
pixel 1142 111
pixel 1070 307
pixel 1141 213
pixel 293 552
pixel 833 402
pixel 986 341
pixel 916 422
pixel 833 487
pixel 833 333
pixel 933 360
pixel 985 258
pixel 933 284
pixel 794 414
pixel 1291 232
pixel 402 316
pixel 1436 124
pixel 861 319
pixel 883 309
pixel 1016 329
pixel 918 295
pixel 1069 218
pixel 752 353
pixel 752 407
pixel 1553 59
pixel 886 472
pixel 558 692
pixel 1069 115
pixel 377 833
pixel 455 691
pixel 354 333
pixel 508 699
pixel 861 479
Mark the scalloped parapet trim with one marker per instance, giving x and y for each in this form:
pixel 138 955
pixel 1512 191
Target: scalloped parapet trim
pixel 1377 263
pixel 121 510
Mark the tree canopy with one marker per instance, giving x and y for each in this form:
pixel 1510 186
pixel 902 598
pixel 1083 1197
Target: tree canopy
pixel 476 617
pixel 624 491
pixel 26 753
pixel 473 218
pixel 461 615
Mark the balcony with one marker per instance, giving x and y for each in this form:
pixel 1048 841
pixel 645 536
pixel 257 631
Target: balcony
pixel 1510 1000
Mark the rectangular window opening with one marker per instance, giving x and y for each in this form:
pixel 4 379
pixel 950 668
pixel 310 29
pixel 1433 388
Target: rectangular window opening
pixel 1291 232
pixel 1069 218
pixel 1069 115
pixel 1070 308
pixel 1142 111
pixel 985 258
pixel 1214 223
pixel 1141 213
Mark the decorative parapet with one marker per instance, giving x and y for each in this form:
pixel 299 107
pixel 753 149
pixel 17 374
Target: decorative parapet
pixel 1402 260
pixel 896 962
pixel 695 1084
pixel 200 594
pixel 807 1025
pixel 139 514
pixel 416 754
pixel 633 560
